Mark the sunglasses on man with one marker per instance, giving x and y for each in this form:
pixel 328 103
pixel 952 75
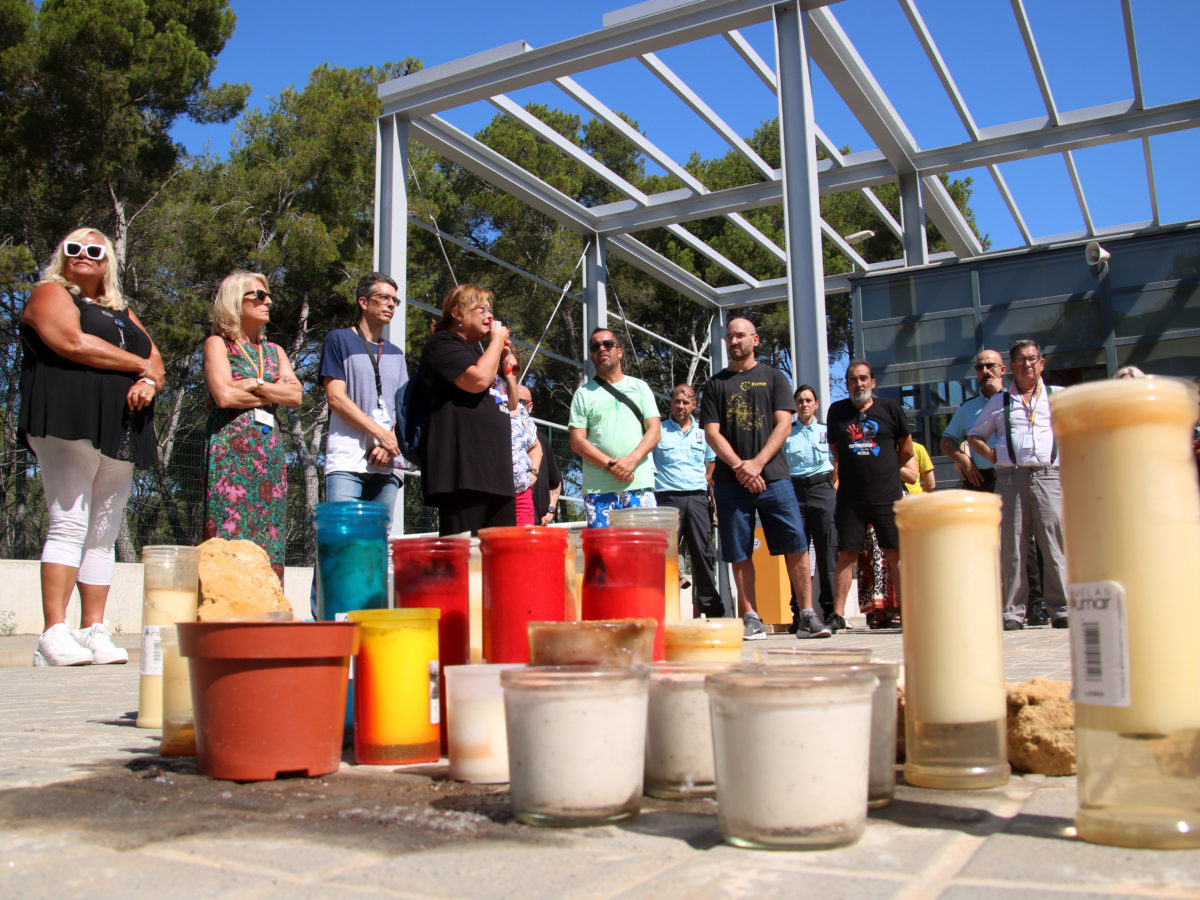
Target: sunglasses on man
pixel 95 252
pixel 595 346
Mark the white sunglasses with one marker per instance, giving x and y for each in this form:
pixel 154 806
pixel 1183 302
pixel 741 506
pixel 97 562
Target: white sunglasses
pixel 92 251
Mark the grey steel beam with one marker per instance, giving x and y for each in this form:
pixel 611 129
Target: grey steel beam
pixel 457 146
pixel 1090 127
pixel 1035 58
pixel 458 83
pixel 694 102
pixel 1135 70
pixel 831 49
pixel 658 266
pixel 595 294
pixel 676 206
pixel 1150 183
pixel 801 203
pixel 1080 197
pixel 912 216
pixel 576 91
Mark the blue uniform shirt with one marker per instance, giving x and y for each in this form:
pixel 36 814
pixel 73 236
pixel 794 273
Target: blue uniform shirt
pixel 807 450
pixel 679 458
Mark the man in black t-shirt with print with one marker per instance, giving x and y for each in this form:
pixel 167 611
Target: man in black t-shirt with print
pixel 746 412
pixel 871 441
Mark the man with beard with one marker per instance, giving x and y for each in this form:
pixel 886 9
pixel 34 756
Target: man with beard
pixel 871 441
pixel 614 424
pixel 1027 479
pixel 747 415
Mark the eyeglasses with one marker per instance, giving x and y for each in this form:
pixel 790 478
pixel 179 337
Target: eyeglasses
pixel 1027 360
pixel 91 251
pixel 524 404
pixel 486 310
pixel 386 298
pixel 982 367
pixel 608 344
pixel 256 296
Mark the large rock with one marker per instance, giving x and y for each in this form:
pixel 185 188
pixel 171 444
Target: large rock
pixel 236 579
pixel 1041 727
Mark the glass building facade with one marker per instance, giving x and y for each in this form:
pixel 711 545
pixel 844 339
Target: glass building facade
pixel 922 329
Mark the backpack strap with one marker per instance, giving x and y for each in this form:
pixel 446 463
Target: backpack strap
pixel 622 398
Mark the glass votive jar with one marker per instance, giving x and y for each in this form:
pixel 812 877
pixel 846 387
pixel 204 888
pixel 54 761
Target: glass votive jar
pixel 524 581
pixel 178 726
pixel 704 640
pixel 612 642
pixel 955 706
pixel 432 573
pixel 819 720
pixel 576 743
pixel 665 518
pixel 806 656
pixel 476 737
pixel 397 716
pixel 623 576
pixel 170 594
pixel 679 748
pixel 352 557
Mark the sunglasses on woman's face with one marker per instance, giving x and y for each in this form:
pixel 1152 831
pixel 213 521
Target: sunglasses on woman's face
pixel 256 296
pixel 92 251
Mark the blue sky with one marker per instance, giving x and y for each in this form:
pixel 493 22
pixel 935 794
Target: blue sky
pixel 1081 42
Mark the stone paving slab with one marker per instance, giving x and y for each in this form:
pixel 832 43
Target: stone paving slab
pixel 87 807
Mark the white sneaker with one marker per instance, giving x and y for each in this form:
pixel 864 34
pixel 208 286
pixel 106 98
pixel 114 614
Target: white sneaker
pixel 57 647
pixel 104 651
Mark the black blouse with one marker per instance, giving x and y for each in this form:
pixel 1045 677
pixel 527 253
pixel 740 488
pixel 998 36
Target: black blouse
pixel 470 439
pixel 71 401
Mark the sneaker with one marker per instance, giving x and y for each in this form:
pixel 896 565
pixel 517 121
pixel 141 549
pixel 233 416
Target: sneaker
pixel 57 647
pixel 1013 624
pixel 1035 614
pixel 1060 622
pixel 754 629
pixel 836 623
pixel 104 651
pixel 811 626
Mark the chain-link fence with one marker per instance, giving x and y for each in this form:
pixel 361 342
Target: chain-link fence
pixel 166 506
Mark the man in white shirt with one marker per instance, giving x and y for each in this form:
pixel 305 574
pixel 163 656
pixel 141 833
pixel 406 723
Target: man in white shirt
pixel 1027 479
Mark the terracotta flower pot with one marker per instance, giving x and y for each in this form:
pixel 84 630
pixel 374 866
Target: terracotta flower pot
pixel 269 697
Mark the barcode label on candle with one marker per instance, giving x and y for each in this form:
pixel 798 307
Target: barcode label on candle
pixel 152 649
pixel 435 706
pixel 1099 644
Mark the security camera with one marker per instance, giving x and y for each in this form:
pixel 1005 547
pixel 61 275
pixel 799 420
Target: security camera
pixel 1095 254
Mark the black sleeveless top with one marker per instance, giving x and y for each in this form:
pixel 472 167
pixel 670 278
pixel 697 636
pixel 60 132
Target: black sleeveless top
pixel 71 401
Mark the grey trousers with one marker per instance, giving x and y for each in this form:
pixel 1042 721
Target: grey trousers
pixel 1032 499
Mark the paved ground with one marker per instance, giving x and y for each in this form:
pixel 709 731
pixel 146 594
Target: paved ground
pixel 88 808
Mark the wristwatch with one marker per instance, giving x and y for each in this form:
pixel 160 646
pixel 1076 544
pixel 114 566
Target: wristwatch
pixel 533 470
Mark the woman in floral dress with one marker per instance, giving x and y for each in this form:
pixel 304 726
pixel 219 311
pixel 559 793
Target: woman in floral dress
pixel 245 480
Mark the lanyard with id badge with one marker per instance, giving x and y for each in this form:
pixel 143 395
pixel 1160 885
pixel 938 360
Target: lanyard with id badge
pixel 380 412
pixel 263 417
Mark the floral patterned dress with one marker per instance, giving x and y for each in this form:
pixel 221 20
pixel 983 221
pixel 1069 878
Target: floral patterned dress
pixel 245 480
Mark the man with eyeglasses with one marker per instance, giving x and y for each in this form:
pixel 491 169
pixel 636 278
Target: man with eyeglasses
pixel 747 415
pixel 680 482
pixel 614 424
pixel 1027 479
pixel 361 373
pixel 977 471
pixel 871 443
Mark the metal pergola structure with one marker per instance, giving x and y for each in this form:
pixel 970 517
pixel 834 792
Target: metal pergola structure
pixel 806 33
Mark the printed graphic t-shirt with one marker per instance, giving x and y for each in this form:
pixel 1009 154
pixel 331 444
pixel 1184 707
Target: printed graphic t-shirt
pixel 868 464
pixel 744 405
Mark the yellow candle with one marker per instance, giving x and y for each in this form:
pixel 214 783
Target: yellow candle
pixel 704 640
pixel 396 716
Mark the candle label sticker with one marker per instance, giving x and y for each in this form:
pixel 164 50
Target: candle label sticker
pixel 1099 644
pixel 435 707
pixel 152 649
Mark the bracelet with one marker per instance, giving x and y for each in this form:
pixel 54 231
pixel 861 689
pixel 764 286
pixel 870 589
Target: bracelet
pixel 150 381
pixel 506 370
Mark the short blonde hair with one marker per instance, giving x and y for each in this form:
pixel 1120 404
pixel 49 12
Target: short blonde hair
pixel 1129 372
pixel 227 306
pixel 53 273
pixel 462 299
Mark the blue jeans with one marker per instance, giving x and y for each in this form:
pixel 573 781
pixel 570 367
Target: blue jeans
pixel 377 487
pixel 777 510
